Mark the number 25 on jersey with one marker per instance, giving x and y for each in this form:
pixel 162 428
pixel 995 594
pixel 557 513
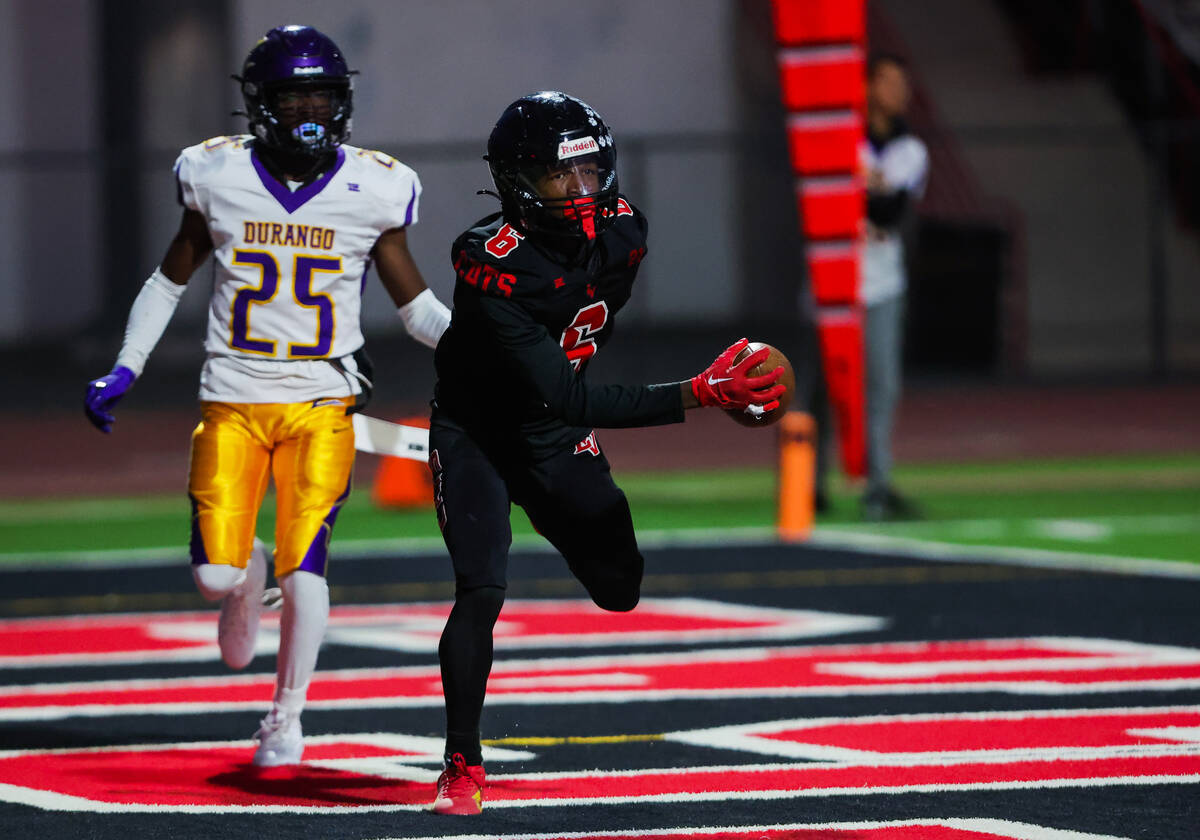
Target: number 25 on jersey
pixel 316 307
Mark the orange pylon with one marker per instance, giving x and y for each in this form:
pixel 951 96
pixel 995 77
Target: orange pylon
pixel 797 473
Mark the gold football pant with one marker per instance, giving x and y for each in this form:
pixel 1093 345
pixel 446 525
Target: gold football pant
pixel 309 450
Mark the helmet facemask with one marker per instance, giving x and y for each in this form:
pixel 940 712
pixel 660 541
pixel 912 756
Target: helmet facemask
pixel 309 117
pixel 573 198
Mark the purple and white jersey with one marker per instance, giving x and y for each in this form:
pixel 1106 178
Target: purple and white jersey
pixel 290 265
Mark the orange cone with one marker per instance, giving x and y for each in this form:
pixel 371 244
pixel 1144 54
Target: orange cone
pixel 403 482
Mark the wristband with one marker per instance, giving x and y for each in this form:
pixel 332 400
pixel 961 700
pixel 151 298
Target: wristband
pixel 425 317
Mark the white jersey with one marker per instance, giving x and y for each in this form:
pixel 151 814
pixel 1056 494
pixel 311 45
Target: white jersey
pixel 290 266
pixel 904 164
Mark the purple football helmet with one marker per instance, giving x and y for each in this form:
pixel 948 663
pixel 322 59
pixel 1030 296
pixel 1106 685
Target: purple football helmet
pixel 297 91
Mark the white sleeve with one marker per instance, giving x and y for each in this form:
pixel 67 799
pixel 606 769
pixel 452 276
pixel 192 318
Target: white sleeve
pixel 407 210
pixel 425 317
pixel 908 168
pixel 185 182
pixel 148 317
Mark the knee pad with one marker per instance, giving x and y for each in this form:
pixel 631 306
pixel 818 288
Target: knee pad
pixel 215 580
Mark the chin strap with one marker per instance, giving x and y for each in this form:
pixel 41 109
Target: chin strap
pixel 587 218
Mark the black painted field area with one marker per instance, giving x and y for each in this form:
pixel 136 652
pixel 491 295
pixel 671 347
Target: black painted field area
pixel 758 691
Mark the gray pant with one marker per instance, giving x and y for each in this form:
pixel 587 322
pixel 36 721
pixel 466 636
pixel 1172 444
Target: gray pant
pixel 883 337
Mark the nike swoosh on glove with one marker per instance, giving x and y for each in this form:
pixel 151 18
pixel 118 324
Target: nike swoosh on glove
pixel 728 384
pixel 103 394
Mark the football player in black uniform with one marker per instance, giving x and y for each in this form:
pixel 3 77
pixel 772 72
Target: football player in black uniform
pixel 538 287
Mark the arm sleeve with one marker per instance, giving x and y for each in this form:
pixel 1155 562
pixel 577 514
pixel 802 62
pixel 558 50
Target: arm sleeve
pixel 906 171
pixel 148 318
pixel 918 173
pixel 535 360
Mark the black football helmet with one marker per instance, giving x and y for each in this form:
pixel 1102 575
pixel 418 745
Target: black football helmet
pixel 549 135
pixel 287 65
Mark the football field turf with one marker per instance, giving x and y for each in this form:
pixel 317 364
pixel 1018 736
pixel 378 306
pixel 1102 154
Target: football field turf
pixel 1124 506
pixel 759 690
pixel 1023 662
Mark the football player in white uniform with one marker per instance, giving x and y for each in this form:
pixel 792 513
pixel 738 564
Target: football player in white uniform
pixel 293 216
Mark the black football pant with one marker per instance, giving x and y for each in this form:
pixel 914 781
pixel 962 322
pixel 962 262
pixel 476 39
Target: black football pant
pixel 571 500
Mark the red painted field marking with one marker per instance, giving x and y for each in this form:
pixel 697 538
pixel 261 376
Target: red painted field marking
pixel 378 772
pixel 1045 666
pixel 991 736
pixel 574 623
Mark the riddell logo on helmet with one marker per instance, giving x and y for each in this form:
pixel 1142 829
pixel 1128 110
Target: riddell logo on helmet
pixel 307 71
pixel 575 148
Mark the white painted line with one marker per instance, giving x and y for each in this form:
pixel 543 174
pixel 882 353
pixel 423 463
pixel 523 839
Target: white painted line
pixel 1072 530
pixel 1000 828
pixel 859 542
pixel 867 543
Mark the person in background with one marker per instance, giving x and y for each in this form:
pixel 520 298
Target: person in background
pixel 294 216
pixel 896 165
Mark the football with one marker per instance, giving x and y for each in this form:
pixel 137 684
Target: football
pixel 774 360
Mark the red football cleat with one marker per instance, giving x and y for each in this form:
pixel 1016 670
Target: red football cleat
pixel 459 788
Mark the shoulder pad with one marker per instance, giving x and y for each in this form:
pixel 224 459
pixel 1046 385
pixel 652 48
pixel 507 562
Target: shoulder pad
pixel 205 162
pixel 394 187
pixel 213 151
pixel 220 145
pixel 493 258
pixel 630 224
pixel 382 158
pixel 490 238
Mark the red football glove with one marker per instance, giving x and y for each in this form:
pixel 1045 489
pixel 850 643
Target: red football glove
pixel 730 385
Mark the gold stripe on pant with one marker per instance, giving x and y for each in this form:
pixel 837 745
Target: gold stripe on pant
pixel 308 448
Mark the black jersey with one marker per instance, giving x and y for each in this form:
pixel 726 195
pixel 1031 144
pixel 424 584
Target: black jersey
pixel 511 369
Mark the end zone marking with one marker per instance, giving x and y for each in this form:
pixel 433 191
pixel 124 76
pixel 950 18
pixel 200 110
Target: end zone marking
pixel 1042 665
pixel 953 828
pixel 376 777
pixel 415 627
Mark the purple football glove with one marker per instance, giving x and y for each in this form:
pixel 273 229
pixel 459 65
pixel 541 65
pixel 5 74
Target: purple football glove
pixel 103 394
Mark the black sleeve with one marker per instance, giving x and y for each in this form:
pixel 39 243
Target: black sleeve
pixel 532 356
pixel 885 209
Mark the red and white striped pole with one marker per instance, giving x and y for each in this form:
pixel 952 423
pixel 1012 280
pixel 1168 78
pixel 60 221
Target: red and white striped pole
pixel 821 54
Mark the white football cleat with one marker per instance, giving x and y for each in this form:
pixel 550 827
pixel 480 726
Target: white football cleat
pixel 237 630
pixel 280 740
